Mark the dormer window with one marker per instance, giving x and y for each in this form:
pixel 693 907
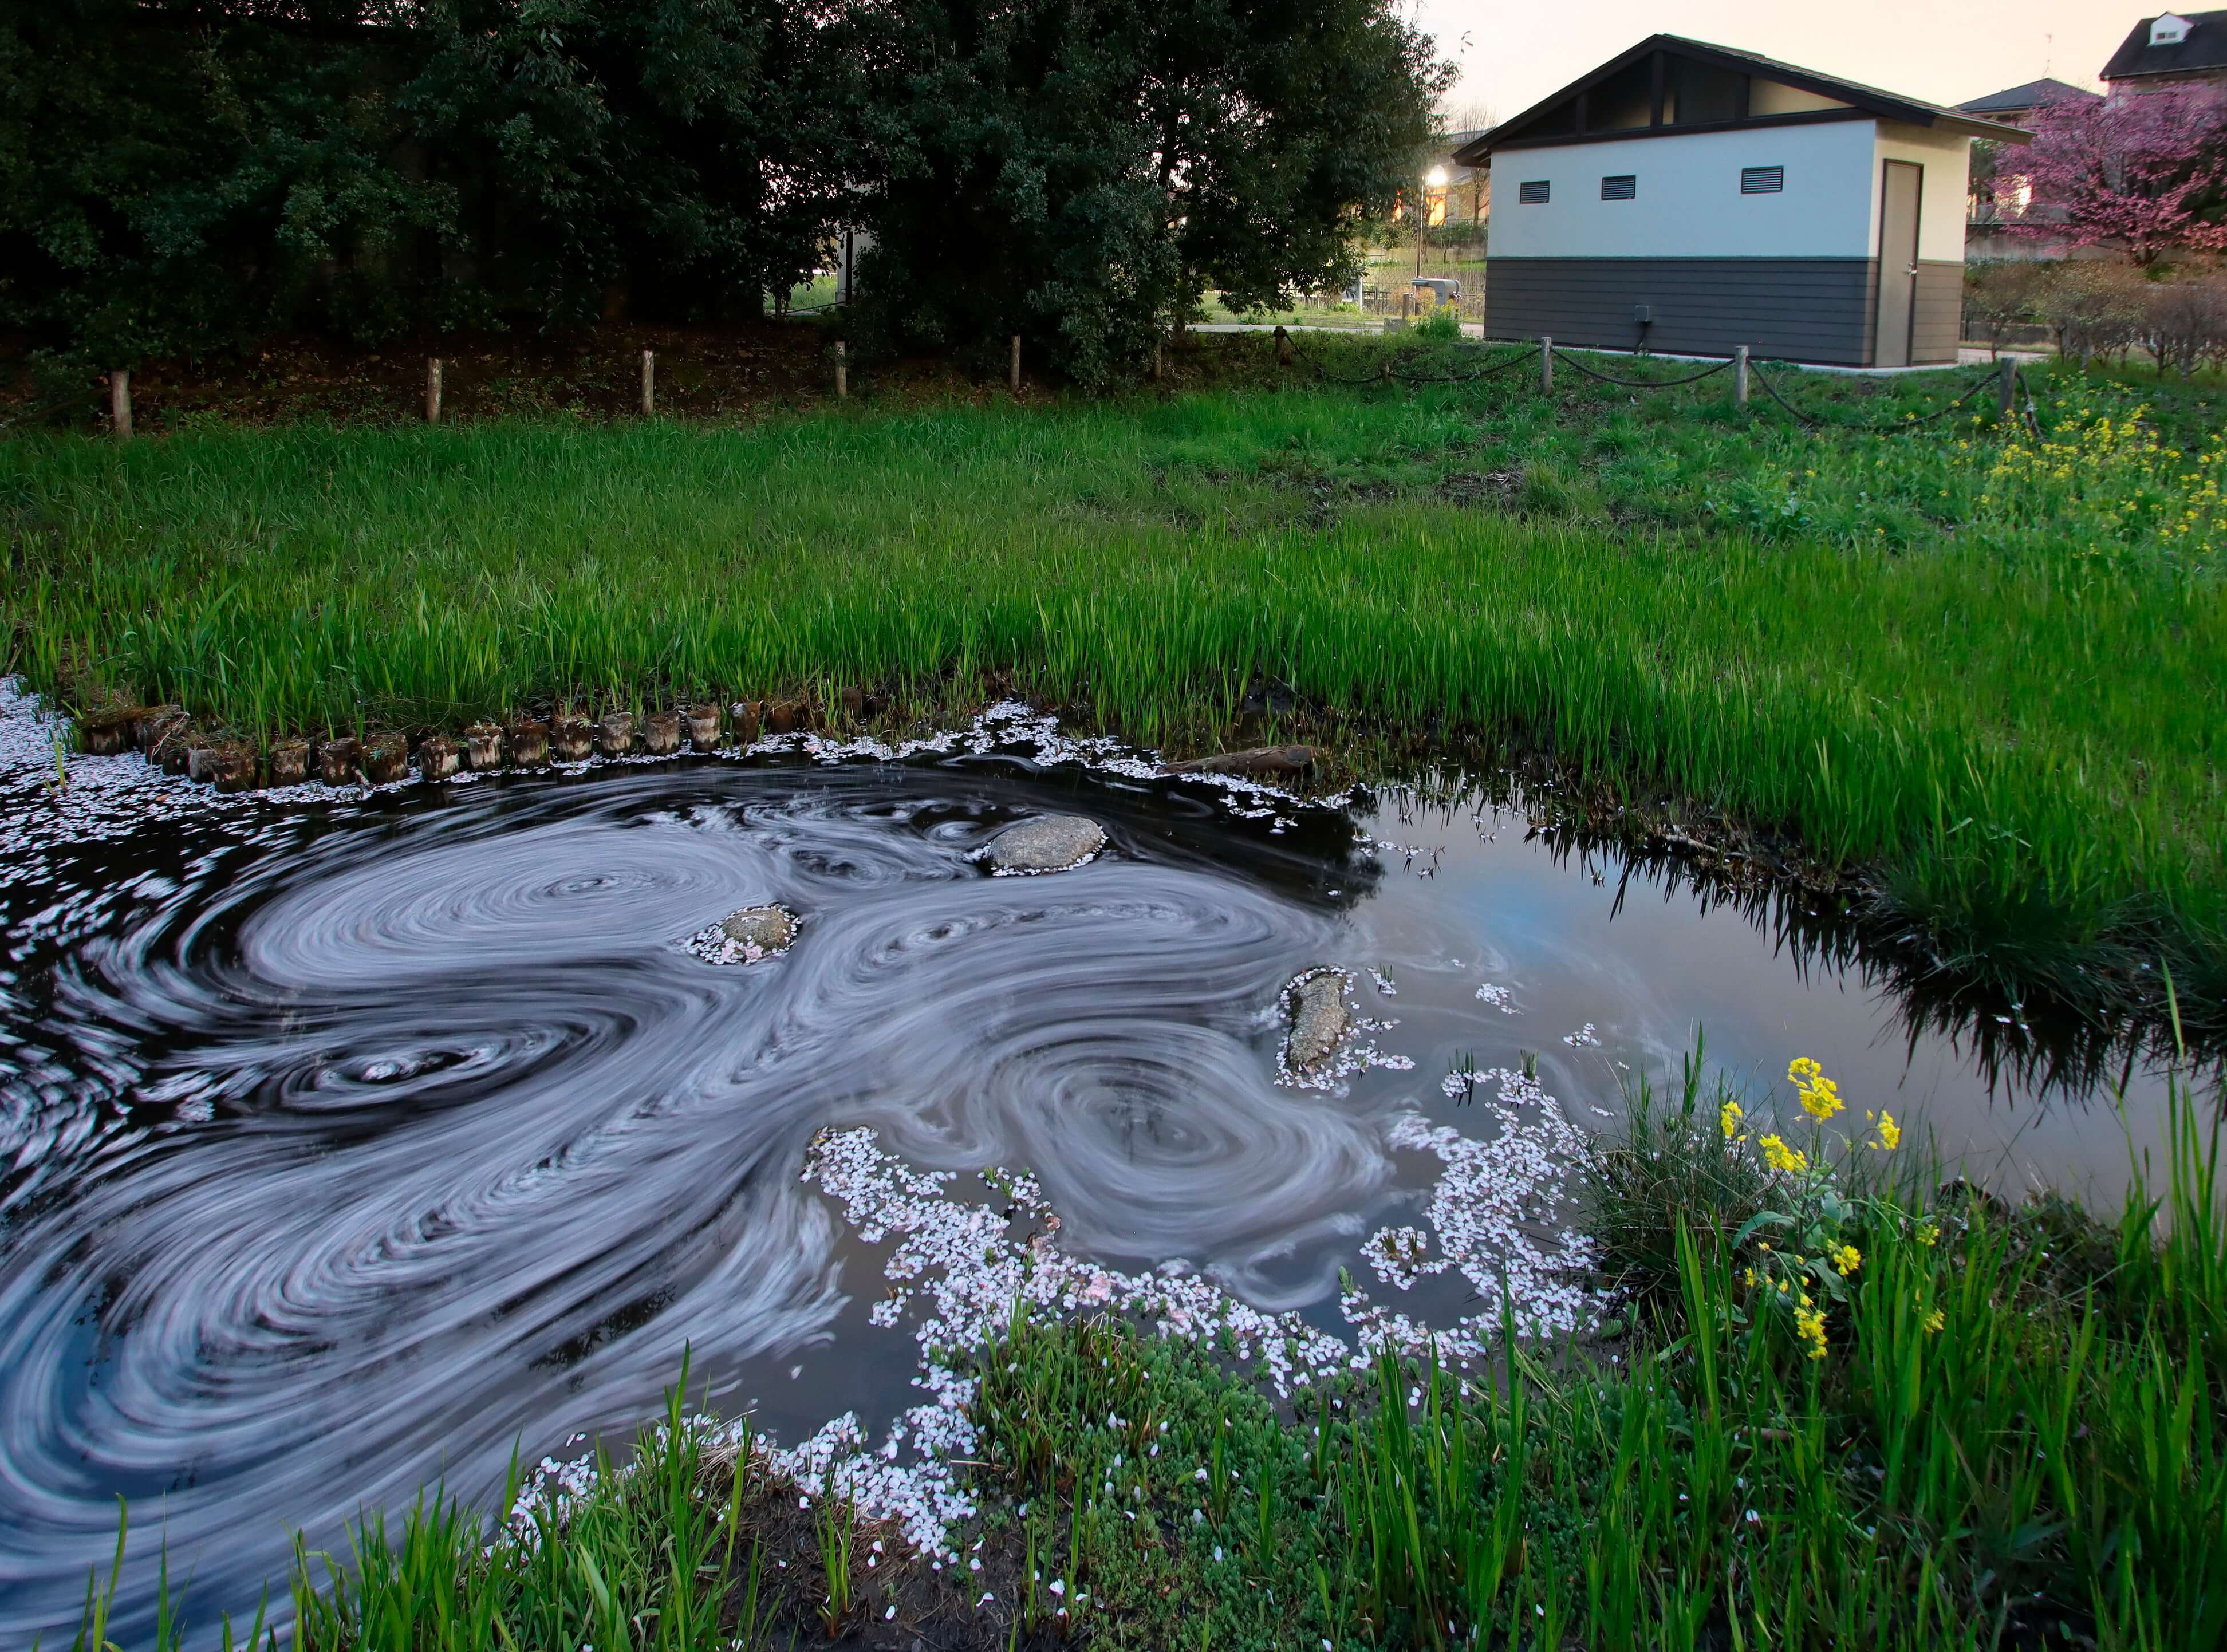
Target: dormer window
pixel 2168 29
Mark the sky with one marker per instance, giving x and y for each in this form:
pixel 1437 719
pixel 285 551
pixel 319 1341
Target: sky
pixel 1513 52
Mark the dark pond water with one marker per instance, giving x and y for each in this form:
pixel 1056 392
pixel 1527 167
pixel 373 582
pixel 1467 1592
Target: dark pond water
pixel 346 1146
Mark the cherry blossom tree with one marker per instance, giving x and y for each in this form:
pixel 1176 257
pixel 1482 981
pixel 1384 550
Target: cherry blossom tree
pixel 2146 175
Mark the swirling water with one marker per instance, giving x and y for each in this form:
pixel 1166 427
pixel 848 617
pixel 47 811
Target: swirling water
pixel 355 1144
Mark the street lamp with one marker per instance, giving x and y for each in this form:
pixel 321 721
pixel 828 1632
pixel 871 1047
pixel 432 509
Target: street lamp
pixel 1436 178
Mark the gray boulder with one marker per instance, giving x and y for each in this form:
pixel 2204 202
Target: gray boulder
pixel 766 929
pixel 1049 842
pixel 1316 1002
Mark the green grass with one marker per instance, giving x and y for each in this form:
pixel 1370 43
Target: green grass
pixel 1985 676
pixel 2016 1435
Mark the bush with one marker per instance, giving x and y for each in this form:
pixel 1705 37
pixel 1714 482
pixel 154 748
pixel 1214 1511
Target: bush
pixel 2094 308
pixel 2001 294
pixel 2183 324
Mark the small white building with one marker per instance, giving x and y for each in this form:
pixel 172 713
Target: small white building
pixel 1688 198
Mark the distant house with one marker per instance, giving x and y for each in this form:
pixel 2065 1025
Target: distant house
pixel 1998 201
pixel 1466 197
pixel 2182 49
pixel 1689 197
pixel 2012 105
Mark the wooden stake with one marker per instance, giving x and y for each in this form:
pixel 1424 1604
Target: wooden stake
pixel 1740 377
pixel 2005 385
pixel 1545 365
pixel 842 369
pixel 433 390
pixel 119 403
pixel 649 383
pixel 1013 373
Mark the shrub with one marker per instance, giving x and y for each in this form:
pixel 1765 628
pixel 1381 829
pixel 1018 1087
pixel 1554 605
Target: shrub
pixel 2183 324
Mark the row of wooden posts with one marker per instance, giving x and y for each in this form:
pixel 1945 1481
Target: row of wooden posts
pixel 119 382
pixel 119 385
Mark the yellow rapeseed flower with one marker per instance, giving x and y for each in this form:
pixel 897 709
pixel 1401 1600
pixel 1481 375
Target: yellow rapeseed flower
pixel 1848 1258
pixel 1809 1326
pixel 1780 1157
pixel 1728 1118
pixel 1889 1132
pixel 1934 1320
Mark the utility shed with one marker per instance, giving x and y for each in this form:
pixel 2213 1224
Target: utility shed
pixel 1689 198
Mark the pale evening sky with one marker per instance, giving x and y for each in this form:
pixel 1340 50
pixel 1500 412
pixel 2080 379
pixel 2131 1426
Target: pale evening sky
pixel 1944 51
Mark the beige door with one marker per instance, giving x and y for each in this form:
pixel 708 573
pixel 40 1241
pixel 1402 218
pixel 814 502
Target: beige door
pixel 1898 262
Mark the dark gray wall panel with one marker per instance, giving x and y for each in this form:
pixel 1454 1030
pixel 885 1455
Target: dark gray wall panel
pixel 1800 310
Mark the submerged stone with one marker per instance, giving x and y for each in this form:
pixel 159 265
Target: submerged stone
pixel 1316 1005
pixel 1049 842
pixel 763 929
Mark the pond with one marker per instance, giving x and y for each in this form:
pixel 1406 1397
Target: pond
pixel 352 1142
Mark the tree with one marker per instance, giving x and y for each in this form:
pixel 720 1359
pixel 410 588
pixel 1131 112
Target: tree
pixel 2146 174
pixel 1080 171
pixel 185 175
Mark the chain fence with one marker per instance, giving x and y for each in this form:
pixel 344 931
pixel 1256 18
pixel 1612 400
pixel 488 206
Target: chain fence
pixel 1390 372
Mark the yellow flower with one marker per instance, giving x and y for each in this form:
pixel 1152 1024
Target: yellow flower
pixel 1780 1157
pixel 1890 1132
pixel 1821 1099
pixel 1848 1258
pixel 1809 1326
pixel 1934 1320
pixel 1750 1279
pixel 1928 1232
pixel 1728 1118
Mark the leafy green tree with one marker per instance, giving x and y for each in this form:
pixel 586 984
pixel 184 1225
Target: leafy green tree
pixel 1080 171
pixel 181 176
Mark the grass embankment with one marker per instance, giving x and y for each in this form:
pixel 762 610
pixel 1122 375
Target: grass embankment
pixel 1881 1418
pixel 1985 672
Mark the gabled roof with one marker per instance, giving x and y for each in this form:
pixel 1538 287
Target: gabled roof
pixel 1861 99
pixel 2204 49
pixel 2035 94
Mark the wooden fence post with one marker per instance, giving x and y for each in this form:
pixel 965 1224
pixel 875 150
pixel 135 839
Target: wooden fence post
pixel 1013 373
pixel 2005 385
pixel 433 390
pixel 649 383
pixel 842 370
pixel 1545 365
pixel 119 403
pixel 1740 377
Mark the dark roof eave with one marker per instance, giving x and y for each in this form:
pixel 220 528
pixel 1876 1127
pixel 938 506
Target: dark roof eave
pixel 1864 99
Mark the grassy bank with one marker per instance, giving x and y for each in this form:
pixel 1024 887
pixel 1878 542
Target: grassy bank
pixel 1982 670
pixel 1848 1410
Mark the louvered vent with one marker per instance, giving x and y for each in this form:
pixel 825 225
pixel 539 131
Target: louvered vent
pixel 1532 193
pixel 1622 186
pixel 1762 180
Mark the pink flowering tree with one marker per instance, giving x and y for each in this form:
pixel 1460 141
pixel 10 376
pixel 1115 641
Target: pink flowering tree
pixel 2146 174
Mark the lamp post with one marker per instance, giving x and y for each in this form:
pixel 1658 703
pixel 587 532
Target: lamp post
pixel 1435 179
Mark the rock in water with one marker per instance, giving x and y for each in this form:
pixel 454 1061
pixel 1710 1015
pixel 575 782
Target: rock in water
pixel 1049 842
pixel 1316 1005
pixel 1263 760
pixel 761 931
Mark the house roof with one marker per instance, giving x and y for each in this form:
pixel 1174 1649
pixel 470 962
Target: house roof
pixel 2204 49
pixel 2016 101
pixel 1859 98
